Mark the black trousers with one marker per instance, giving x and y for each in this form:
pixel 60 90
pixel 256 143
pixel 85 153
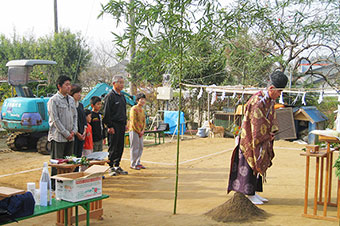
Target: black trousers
pixel 116 144
pixel 58 151
pixel 78 147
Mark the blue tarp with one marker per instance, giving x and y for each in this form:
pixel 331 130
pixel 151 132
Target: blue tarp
pixel 171 117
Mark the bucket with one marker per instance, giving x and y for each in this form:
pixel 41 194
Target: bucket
pixel 201 132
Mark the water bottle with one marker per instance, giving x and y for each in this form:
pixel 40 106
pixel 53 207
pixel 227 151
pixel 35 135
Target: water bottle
pixel 45 187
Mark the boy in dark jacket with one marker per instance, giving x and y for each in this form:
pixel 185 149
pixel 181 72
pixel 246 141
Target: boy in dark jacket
pixel 97 124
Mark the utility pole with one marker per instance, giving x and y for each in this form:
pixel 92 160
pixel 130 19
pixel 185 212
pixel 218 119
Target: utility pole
pixel 55 17
pixel 133 87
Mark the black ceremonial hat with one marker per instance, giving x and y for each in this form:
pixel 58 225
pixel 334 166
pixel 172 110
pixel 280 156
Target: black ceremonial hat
pixel 278 79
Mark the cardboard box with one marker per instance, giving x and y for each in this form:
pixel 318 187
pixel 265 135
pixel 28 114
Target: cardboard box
pixel 75 187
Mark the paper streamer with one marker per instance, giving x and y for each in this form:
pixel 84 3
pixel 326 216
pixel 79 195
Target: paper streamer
pixel 223 96
pixel 200 94
pixel 240 100
pixel 281 99
pixel 304 99
pixel 320 97
pixel 213 98
pixel 296 99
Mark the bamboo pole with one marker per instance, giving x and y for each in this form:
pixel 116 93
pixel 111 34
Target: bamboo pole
pixel 179 108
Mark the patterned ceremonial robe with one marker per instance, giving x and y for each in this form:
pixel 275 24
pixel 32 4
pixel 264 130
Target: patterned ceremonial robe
pixel 258 123
pixel 254 154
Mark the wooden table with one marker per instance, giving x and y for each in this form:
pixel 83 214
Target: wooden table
pixel 59 205
pixel 96 207
pixel 326 154
pixel 7 192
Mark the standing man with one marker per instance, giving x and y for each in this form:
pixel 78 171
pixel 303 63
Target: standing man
pixel 115 120
pixel 254 152
pixel 62 120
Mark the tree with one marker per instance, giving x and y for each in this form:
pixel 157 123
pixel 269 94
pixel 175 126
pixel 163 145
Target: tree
pixel 17 48
pixel 69 51
pixel 297 29
pixel 99 68
pixel 162 32
pixel 248 60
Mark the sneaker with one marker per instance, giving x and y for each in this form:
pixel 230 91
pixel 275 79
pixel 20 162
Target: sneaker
pixel 112 174
pixel 141 166
pixel 119 170
pixel 135 167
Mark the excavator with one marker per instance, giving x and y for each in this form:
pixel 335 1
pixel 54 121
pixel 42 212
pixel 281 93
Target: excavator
pixel 25 116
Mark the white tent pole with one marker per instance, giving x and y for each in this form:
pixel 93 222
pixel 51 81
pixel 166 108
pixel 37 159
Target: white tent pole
pixel 208 107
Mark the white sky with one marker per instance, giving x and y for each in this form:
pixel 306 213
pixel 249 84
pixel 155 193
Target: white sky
pixel 24 17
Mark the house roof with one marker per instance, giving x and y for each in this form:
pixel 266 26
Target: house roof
pixel 309 113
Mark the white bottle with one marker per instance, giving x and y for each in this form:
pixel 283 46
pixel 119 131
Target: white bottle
pixel 45 187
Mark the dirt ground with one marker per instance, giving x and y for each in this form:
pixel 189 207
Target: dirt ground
pixel 146 197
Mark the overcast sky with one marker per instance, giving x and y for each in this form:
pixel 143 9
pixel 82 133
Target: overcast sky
pixel 37 17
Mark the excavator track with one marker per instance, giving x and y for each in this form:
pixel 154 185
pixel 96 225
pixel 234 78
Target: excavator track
pixel 44 146
pixel 12 141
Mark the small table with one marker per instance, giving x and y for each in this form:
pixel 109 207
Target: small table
pixel 58 205
pixel 158 134
pixel 328 156
pixel 96 207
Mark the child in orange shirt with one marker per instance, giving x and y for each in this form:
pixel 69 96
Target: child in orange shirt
pixel 88 145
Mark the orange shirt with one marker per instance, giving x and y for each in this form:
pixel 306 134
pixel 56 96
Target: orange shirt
pixel 137 119
pixel 88 145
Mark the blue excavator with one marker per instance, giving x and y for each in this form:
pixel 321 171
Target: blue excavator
pixel 25 116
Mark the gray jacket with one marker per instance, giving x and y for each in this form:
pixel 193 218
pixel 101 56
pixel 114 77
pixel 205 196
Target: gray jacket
pixel 62 117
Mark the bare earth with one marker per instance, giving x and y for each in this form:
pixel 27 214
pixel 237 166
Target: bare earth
pixel 146 197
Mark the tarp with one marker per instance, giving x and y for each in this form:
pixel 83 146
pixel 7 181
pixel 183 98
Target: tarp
pixel 171 117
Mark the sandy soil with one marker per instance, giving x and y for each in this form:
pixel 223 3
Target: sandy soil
pixel 146 197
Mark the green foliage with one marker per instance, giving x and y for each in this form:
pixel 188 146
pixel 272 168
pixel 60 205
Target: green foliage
pixel 148 65
pixel 17 48
pixel 254 33
pixel 204 62
pixel 337 167
pixel 74 160
pixel 67 49
pixel 5 91
pixel 169 35
pixel 42 89
pixel 328 106
pixel 248 60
